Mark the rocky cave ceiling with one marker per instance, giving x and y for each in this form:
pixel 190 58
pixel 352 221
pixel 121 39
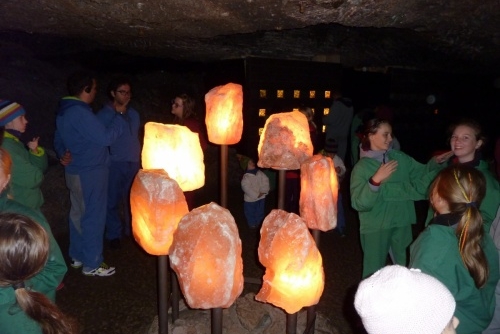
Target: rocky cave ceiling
pixel 456 35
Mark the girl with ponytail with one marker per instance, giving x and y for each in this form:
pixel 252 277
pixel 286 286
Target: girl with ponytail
pixel 24 250
pixel 456 248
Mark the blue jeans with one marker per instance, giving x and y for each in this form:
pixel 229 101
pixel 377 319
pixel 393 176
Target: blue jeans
pixel 254 212
pixel 87 217
pixel 121 176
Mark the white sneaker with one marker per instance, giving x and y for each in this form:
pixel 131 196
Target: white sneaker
pixel 102 270
pixel 76 264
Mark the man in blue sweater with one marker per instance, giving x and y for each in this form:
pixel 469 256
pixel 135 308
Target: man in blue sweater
pixel 81 142
pixel 125 155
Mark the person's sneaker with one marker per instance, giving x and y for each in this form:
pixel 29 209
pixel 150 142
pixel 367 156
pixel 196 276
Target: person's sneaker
pixel 102 270
pixel 76 264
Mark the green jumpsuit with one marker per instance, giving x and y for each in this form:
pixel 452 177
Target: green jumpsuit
pixel 387 212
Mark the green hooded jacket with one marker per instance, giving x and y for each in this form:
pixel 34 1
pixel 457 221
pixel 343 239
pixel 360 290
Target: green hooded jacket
pixel 27 172
pixel 390 204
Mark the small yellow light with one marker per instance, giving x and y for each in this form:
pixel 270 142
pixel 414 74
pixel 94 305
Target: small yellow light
pixel 279 93
pixel 312 94
pixel 326 111
pixel 323 129
pixel 313 110
pixel 262 112
pixel 295 109
pixel 263 93
pixel 296 94
pixel 260 131
pixel 327 94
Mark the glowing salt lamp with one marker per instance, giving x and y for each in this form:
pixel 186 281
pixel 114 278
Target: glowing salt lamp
pixel 224 117
pixel 285 142
pixel 318 193
pixel 177 150
pixel 157 203
pixel 294 276
pixel 206 255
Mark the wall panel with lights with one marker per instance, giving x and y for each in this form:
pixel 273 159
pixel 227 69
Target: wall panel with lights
pixel 274 86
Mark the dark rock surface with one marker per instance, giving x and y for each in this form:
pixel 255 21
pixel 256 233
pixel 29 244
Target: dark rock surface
pixel 458 35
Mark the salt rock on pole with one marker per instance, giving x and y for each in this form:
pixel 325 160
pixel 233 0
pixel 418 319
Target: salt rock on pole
pixel 319 193
pixel 177 150
pixel 206 255
pixel 294 276
pixel 157 204
pixel 285 142
pixel 224 117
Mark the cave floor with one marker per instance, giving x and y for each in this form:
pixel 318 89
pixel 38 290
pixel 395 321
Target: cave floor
pixel 127 301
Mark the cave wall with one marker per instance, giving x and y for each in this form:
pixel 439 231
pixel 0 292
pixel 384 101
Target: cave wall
pixel 38 83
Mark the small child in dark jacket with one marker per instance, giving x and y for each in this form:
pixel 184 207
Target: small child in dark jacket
pixel 255 185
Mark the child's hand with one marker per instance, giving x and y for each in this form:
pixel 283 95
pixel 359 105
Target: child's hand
pixel 443 157
pixel 384 171
pixel 33 145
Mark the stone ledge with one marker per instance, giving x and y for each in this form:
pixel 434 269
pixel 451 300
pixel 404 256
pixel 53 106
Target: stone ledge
pixel 245 316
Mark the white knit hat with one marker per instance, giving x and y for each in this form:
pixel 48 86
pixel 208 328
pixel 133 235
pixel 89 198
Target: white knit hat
pixel 397 300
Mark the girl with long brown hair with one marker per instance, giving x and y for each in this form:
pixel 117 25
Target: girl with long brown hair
pixel 24 250
pixel 457 250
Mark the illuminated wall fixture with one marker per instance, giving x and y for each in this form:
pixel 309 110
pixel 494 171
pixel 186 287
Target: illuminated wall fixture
pixel 224 122
pixel 262 93
pixel 157 203
pixel 319 193
pixel 206 255
pixel 318 202
pixel 312 94
pixel 323 128
pixel 327 94
pixel 326 111
pixel 176 150
pixel 284 144
pixel 280 93
pixel 294 276
pixel 296 94
pixel 224 116
pixel 262 112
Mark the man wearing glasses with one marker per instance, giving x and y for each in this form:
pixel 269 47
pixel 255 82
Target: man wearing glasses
pixel 125 159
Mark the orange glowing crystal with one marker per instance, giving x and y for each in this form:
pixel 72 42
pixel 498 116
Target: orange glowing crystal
pixel 285 142
pixel 206 255
pixel 157 203
pixel 294 276
pixel 319 193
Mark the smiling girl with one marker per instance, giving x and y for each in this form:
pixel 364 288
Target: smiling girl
pixel 384 185
pixel 466 141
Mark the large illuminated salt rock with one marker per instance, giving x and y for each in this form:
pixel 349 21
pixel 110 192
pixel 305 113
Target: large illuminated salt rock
pixel 157 204
pixel 224 117
pixel 294 276
pixel 318 193
pixel 206 255
pixel 285 142
pixel 177 150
